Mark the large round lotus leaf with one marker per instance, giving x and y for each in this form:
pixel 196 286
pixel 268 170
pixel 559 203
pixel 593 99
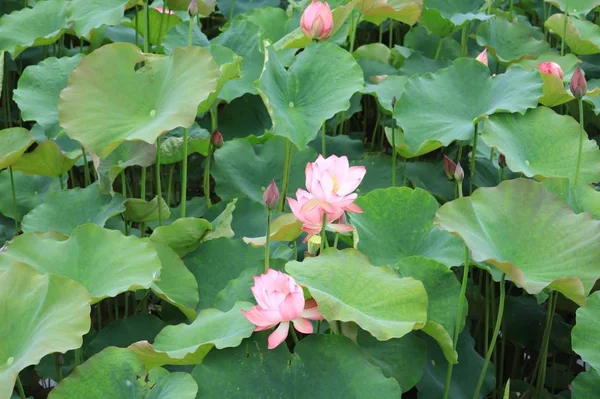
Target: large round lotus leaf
pixel 398 223
pixel 581 198
pixel 400 358
pixel 580 7
pixel 586 385
pixel 511 41
pixel 402 148
pixel 172 144
pixel 177 36
pixel 530 235
pixel 143 102
pixel 212 328
pixel 104 261
pixel 550 147
pixel 243 170
pixel 298 111
pixel 160 24
pixel 583 37
pixel 41 314
pixel 449 120
pixel 420 39
pixel 119 373
pixel 47 160
pixel 252 371
pixel 386 90
pixel 86 15
pixel 139 210
pixel 442 18
pixel 183 235
pixel 128 153
pixel 14 142
pixel 586 331
pixel 38 26
pixel 39 89
pixel 443 291
pixel 348 288
pixel 64 210
pixel 30 192
pixel 151 358
pixel 377 11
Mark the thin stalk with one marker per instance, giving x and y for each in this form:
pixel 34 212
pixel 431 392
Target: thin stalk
pixel 564 37
pixel 206 180
pixel 146 27
pixel 510 9
pixel 394 155
pixel 581 134
pixel 14 197
pixel 491 154
pixel 184 170
pixel 459 189
pixel 374 135
pixel 502 354
pixel 231 11
pixel 473 152
pixel 124 192
pixel 323 233
pixel 62 183
pixel 381 33
pixel 459 312
pixel 391 37
pixel 464 39
pixel 170 185
pixel 489 6
pixel 86 170
pixel 126 311
pixel 294 336
pixel 143 196
pixel 287 162
pixel 268 241
pixel 439 49
pixel 116 304
pixel 545 340
pixel 99 316
pixel 58 367
pixel 353 33
pixel 137 17
pixel 20 388
pixel 158 185
pixel 323 141
pixel 486 331
pixel 335 240
pixel 190 31
pixel 405 177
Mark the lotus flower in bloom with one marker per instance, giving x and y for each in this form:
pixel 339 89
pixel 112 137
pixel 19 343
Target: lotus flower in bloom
pixel 280 301
pixel 551 68
pixel 482 57
pixel 311 215
pixel 317 21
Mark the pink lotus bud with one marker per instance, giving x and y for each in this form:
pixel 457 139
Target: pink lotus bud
pixel 216 139
pixel 459 173
pixel 449 167
pixel 317 20
pixel 271 195
pixel 551 68
pixel 193 8
pixel 501 160
pixel 578 83
pixel 482 57
pixel 280 301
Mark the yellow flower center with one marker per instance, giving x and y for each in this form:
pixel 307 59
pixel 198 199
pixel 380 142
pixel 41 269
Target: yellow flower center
pixel 336 184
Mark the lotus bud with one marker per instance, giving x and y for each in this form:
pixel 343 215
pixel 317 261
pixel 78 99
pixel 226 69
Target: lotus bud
pixel 449 167
pixel 551 68
pixel 216 139
pixel 578 84
pixel 271 196
pixel 394 102
pixel 314 244
pixel 193 8
pixel 482 57
pixel 317 21
pixel 459 174
pixel 501 160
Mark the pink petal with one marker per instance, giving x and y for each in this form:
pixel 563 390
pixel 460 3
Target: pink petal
pixel 256 317
pixel 303 325
pixel 353 208
pixel 340 228
pixel 279 335
pixel 292 306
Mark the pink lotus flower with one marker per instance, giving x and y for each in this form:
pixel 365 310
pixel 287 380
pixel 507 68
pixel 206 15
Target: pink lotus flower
pixel 317 20
pixel 482 57
pixel 551 68
pixel 578 84
pixel 280 301
pixel 311 215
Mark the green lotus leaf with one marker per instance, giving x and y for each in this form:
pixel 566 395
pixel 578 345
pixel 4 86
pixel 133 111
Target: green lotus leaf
pixel 229 69
pixel 550 147
pixel 402 148
pixel 581 198
pixel 160 24
pixel 530 235
pixel 340 145
pixel 348 288
pixel 586 331
pixel 139 210
pixel 15 141
pixel 251 370
pixel 151 358
pixel 86 15
pixel 243 170
pixel 128 153
pixel 41 314
pixel 233 8
pixel 298 111
pixel 177 36
pixel 443 291
pixel 106 82
pixel 385 91
pixel 397 223
pixel 39 89
pixel 420 40
pixel 92 256
pixel 221 224
pixel 41 25
pixel 442 18
pixel 583 37
pixel 511 41
pixel 480 95
pixel 64 210
pixel 586 385
pixel 580 7
pixel 283 228
pixel 46 160
pixel 245 117
pixel 212 328
pixel 30 192
pixel 377 11
pixel 274 22
pixel 183 235
pixel 118 373
pixel 172 144
pixel 238 289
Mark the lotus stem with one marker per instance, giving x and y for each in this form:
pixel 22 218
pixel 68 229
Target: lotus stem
pixel 323 141
pixel 158 185
pixel 391 37
pixel 564 37
pixel 374 135
pixel 394 155
pixel 464 38
pixel 287 163
pixel 510 9
pixel 439 49
pixel 473 152
pixel 20 388
pixel 14 197
pixel 353 33
pixel 86 169
pixel 190 30
pixel 405 177
pixel 323 233
pixel 268 241
pixel 581 134
pixel 184 169
pixel 62 183
pixel 541 380
pixel 146 28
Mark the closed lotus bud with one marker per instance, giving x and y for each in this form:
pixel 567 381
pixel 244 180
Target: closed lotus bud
pixel 449 167
pixel 501 160
pixel 193 8
pixel 482 57
pixel 459 173
pixel 216 139
pixel 271 195
pixel 551 68
pixel 578 84
pixel 317 21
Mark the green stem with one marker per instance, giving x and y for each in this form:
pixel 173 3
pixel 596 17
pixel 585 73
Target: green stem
pixel 323 233
pixel 231 11
pixel 391 38
pixel 184 170
pixel 353 33
pixel 394 155
pixel 20 388
pixel 206 181
pixel 268 241
pixel 464 38
pixel 323 141
pixel 486 331
pixel 581 134
pixel 124 192
pixel 459 313
pixel 137 17
pixel 158 185
pixel 545 340
pixel 473 153
pixel 287 162
pixel 116 304
pixel 143 196
pixel 335 240
pixel 126 311
pixel 98 316
pixel 439 49
pixel 510 9
pixel 374 136
pixel 86 169
pixel 294 336
pixel 488 355
pixel 58 367
pixel 381 33
pixel 405 177
pixel 564 37
pixel 14 198
pixel 170 185
pixel 190 31
pixel 62 183
pixel 489 6
pixel 146 27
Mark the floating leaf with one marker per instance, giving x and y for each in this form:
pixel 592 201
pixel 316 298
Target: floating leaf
pixel 528 234
pixel 377 11
pixel 30 192
pixel 15 141
pixel 348 288
pixel 397 223
pixel 92 256
pixel 183 235
pixel 550 147
pixel 106 82
pixel 583 37
pixel 46 160
pixel 580 7
pixel 151 358
pixel 586 331
pixel 64 210
pixel 138 210
pixel 298 111
pixel 449 120
pixel 586 385
pixel 41 314
pixel 86 15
